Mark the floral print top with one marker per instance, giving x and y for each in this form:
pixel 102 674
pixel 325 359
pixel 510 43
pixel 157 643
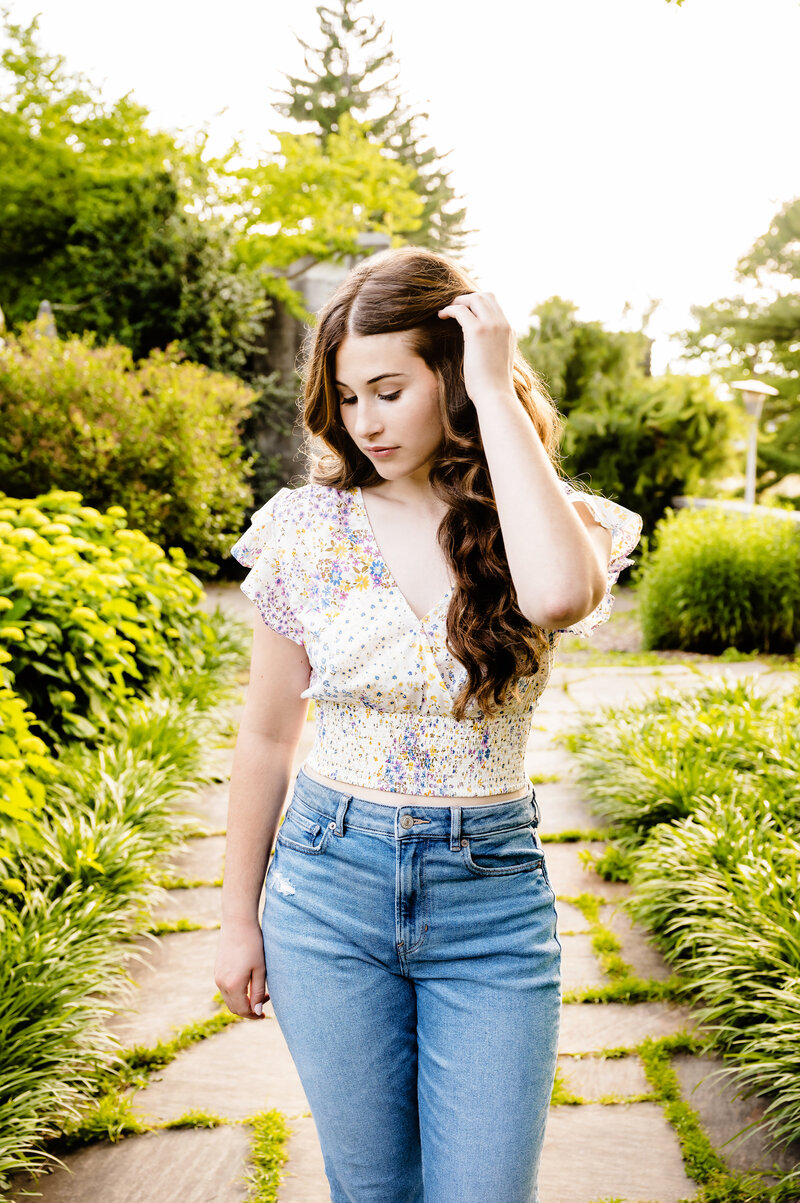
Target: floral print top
pixel 382 679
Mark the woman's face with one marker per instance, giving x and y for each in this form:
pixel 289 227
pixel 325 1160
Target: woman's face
pixel 388 398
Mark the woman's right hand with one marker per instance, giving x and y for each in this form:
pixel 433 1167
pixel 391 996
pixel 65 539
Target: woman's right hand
pixel 240 970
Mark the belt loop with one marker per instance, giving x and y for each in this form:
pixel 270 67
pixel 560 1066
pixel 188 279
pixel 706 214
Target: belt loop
pixel 455 828
pixel 344 802
pixel 535 806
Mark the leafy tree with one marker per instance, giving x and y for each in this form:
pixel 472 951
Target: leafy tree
pixel 639 438
pixel 93 216
pixel 347 74
pixel 583 364
pixel 739 336
pixel 147 241
pixel 314 200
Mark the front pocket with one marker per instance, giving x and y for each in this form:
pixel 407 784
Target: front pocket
pixel 503 853
pixel 303 834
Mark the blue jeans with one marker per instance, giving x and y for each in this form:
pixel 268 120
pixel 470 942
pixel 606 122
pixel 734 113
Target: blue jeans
pixel 414 969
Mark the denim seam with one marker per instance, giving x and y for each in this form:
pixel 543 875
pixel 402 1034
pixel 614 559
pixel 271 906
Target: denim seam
pixel 306 849
pixel 413 835
pixel 514 871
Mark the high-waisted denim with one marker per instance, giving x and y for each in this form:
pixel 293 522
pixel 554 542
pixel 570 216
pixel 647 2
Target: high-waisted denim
pixel 414 969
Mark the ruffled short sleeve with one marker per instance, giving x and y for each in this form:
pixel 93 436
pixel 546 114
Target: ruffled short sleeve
pixel 263 548
pixel 626 530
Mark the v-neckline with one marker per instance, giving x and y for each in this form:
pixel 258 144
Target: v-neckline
pixel 390 575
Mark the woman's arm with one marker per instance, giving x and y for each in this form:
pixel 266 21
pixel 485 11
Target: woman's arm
pixel 557 553
pixel 557 557
pixel 269 733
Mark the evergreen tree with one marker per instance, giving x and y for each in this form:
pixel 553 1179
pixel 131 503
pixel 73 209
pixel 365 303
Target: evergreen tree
pixel 348 74
pixel 640 438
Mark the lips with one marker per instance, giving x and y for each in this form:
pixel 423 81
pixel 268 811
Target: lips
pixel 381 449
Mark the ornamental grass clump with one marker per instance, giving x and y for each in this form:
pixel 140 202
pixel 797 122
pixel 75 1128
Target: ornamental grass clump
pixel 719 890
pixel 703 791
pixel 77 898
pixel 716 580
pixel 650 763
pixel 88 825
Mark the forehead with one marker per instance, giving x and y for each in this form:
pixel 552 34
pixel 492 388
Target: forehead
pixel 359 357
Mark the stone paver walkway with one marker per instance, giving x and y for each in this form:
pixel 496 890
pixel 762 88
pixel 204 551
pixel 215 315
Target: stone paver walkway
pixel 624 1150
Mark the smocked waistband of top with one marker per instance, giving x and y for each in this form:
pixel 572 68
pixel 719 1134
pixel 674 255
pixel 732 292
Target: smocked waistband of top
pixel 423 754
pixel 429 822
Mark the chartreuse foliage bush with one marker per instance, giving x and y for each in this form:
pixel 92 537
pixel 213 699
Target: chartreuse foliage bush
pixel 160 438
pixel 25 766
pixel 716 580
pixel 704 795
pixel 90 611
pixel 87 824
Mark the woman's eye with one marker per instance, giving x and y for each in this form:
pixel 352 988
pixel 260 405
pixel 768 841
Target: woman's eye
pixel 381 397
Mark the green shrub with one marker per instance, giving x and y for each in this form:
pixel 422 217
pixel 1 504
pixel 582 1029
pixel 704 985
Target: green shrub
pixel 720 891
pixel 716 580
pixel 113 816
pixel 651 763
pixel 90 611
pixel 25 766
pixel 651 440
pixel 86 827
pixel 160 438
pixel 703 791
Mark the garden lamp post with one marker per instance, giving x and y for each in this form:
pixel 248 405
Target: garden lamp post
pixel 753 394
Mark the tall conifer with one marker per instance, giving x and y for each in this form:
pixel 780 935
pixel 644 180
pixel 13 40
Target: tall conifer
pixel 352 72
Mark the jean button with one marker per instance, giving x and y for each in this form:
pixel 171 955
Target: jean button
pixel 406 821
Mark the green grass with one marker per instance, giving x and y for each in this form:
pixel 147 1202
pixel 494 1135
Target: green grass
pixel 109 1115
pixel 146 1059
pixel 110 1118
pixel 114 815
pixel 187 883
pixel 562 1095
pixel 574 835
pixel 624 985
pixel 169 928
pixel 268 1153
pixel 195 1119
pixel 703 791
pixel 703 1163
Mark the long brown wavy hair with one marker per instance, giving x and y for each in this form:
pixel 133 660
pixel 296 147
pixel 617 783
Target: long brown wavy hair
pixel 403 290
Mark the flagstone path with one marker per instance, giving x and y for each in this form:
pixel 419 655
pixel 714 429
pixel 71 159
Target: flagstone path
pixel 625 1150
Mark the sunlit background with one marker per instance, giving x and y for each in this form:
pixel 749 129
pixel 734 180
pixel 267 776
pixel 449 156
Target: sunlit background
pixel 612 152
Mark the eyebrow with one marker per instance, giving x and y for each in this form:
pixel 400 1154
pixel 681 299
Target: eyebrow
pixel 374 379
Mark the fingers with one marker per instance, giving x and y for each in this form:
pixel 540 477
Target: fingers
pixel 236 1000
pixel 258 993
pixel 481 306
pixel 462 314
pixel 240 971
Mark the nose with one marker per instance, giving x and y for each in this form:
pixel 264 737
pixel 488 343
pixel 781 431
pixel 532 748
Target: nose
pixel 368 423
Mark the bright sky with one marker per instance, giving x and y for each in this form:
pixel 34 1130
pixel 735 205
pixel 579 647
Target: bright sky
pixel 608 151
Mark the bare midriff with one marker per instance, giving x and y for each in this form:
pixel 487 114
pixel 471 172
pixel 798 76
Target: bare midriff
pixel 389 798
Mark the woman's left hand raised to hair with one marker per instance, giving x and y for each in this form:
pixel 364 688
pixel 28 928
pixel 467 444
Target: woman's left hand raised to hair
pixel 489 344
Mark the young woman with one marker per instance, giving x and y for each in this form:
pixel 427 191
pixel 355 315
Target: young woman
pixel 415 589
